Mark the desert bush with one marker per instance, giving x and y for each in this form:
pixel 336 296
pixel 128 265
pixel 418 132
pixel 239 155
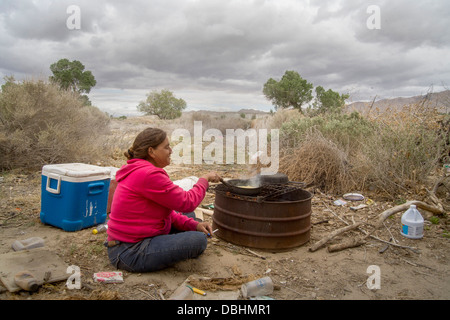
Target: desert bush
pixel 42 124
pixel 340 153
pixel 405 148
pixel 221 123
pixel 319 161
pixel 345 130
pixel 276 119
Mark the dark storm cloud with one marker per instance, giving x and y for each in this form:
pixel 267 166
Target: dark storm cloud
pixel 412 24
pixel 233 46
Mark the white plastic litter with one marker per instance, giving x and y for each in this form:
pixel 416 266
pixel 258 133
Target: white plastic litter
pixel 108 277
pixel 353 196
pixel 27 244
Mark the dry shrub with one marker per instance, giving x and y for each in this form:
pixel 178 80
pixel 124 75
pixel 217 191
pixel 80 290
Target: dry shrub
pixel 221 122
pixel 392 153
pixel 318 161
pixel 405 149
pixel 276 120
pixel 41 124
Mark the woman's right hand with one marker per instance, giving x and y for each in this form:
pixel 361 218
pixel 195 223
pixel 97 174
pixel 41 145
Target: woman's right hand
pixel 205 227
pixel 212 177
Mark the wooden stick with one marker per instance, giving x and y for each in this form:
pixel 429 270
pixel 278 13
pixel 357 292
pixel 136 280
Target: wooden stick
pixel 417 265
pixel 333 234
pixel 432 192
pixel 147 293
pixel 372 236
pixel 255 254
pixel 352 243
pixel 387 213
pixel 414 249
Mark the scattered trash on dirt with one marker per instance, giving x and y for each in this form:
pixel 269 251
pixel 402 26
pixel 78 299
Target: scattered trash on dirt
pixel 412 223
pixel 109 277
pixel 183 292
pixel 353 197
pixel 257 288
pixel 296 274
pixel 26 280
pixel 45 266
pixel 360 206
pixel 27 244
pixel 100 229
pixel 196 290
pixel 340 202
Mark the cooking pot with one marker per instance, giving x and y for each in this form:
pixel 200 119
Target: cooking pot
pixel 242 186
pixel 277 178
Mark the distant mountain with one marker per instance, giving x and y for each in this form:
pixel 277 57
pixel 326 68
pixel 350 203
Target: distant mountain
pixel 251 111
pixel 438 100
pixel 238 113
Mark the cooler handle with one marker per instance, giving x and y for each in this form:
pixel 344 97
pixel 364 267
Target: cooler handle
pixel 58 186
pixel 96 187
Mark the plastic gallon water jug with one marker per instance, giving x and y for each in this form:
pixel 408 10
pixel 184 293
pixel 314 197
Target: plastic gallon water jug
pixel 412 223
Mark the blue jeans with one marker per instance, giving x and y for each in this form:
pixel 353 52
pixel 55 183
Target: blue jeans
pixel 156 253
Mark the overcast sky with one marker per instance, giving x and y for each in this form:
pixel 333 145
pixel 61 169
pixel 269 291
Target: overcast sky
pixel 217 54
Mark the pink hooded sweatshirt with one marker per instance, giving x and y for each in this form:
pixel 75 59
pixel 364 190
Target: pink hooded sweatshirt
pixel 145 201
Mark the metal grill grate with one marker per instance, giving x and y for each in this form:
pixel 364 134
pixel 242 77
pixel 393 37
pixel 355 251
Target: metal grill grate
pixel 269 192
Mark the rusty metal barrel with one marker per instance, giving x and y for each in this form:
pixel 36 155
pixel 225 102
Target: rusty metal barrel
pixel 281 224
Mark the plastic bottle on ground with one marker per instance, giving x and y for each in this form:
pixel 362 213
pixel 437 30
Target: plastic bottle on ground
pixel 30 243
pixel 258 287
pixel 26 281
pixel 412 223
pixel 182 293
pixel 100 228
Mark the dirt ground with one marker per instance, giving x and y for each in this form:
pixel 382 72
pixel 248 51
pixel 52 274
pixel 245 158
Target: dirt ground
pixel 418 273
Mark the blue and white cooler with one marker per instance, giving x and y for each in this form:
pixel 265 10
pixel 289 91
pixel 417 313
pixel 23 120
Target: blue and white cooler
pixel 74 196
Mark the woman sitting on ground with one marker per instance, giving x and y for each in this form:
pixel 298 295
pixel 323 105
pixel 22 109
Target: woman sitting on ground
pixel 148 228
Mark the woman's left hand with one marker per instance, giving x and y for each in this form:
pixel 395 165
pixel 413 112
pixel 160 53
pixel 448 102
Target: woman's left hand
pixel 205 227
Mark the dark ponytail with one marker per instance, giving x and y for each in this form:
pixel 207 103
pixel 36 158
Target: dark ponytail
pixel 150 137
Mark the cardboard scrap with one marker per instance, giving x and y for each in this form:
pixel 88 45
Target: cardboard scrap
pixel 108 277
pixel 45 265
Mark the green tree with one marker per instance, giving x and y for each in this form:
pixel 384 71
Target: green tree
pixel 291 91
pixel 162 104
pixel 329 101
pixel 70 75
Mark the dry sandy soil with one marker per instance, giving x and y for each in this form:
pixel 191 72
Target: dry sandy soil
pixel 422 273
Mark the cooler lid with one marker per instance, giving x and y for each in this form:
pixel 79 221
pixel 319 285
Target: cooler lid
pixel 76 170
pixel 113 172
